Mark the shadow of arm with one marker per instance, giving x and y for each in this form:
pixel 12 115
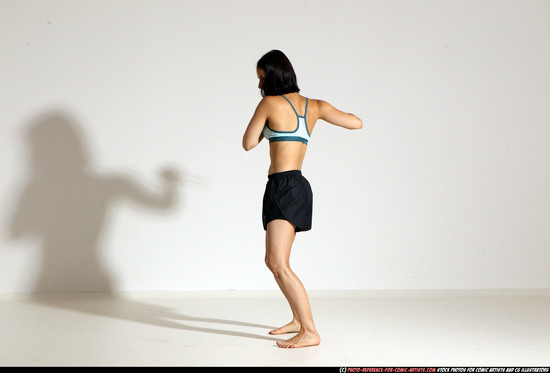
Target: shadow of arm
pixel 129 189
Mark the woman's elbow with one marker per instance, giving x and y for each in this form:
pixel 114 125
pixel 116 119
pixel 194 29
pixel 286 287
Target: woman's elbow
pixel 358 123
pixel 247 145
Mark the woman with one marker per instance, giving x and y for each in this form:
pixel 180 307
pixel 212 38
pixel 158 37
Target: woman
pixel 287 119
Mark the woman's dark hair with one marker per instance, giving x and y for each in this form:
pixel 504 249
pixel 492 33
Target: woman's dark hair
pixel 280 77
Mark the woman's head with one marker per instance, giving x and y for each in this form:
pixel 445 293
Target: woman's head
pixel 276 74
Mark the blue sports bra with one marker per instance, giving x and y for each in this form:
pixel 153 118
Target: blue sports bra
pixel 301 133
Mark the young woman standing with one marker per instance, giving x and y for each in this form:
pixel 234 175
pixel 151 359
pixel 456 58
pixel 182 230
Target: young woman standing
pixel 287 119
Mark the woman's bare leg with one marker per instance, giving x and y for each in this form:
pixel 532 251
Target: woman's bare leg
pixel 294 325
pixel 279 239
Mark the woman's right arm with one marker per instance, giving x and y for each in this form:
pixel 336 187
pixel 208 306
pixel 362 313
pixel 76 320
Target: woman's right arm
pixel 330 114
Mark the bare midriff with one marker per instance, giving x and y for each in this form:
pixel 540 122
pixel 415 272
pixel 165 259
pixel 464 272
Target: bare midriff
pixel 286 156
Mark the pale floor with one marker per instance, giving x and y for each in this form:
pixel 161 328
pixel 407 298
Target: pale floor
pixel 358 328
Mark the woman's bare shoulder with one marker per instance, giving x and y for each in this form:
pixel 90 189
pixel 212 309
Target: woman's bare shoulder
pixel 269 102
pixel 313 106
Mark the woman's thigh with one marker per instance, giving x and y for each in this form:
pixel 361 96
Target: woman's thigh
pixel 279 238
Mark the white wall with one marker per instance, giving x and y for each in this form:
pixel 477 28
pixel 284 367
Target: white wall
pixel 445 187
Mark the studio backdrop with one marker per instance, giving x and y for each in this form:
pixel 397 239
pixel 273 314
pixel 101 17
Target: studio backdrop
pixel 122 168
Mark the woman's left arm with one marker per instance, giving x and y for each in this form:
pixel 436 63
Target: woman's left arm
pixel 253 134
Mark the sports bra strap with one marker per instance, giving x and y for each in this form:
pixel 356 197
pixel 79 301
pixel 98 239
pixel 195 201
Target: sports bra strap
pixel 301 133
pixel 294 108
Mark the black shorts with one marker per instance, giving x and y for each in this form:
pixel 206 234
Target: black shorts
pixel 288 196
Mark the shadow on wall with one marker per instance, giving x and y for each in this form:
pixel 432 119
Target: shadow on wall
pixel 64 205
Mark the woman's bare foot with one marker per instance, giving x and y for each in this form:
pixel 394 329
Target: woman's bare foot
pixel 292 327
pixel 302 339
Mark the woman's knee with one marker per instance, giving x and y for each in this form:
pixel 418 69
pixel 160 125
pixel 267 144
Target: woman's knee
pixel 277 267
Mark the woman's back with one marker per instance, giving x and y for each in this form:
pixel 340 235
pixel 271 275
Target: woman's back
pixel 279 116
pixel 286 118
pixel 286 115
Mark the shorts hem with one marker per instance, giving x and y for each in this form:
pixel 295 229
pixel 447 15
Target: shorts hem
pixel 296 227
